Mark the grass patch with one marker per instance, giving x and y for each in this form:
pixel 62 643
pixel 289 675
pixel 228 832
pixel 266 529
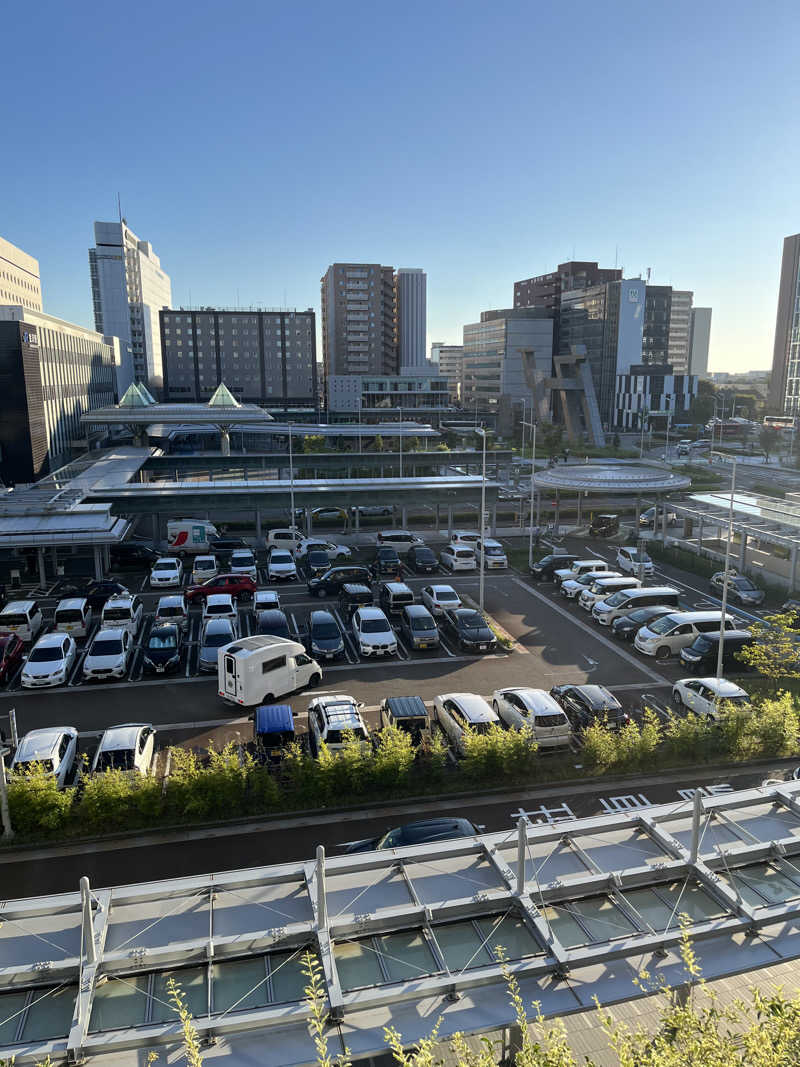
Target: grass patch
pixel 682 558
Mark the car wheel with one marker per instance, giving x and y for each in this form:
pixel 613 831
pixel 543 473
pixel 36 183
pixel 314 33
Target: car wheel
pixel 676 697
pixel 462 646
pixel 662 652
pixel 314 681
pixel 269 698
pixel 321 593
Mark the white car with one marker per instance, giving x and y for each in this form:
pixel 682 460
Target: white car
pixel 331 718
pixel 123 611
pixel 465 538
pixel 573 587
pixel 55 747
pixel 281 566
pixel 289 538
pixel 492 552
pixel 336 553
pixel 126 748
pixel 439 598
pixel 703 696
pixel 50 661
pixel 534 710
pixel 264 599
pixel 458 558
pixel 203 568
pixel 631 560
pixel 108 655
pixel 220 606
pixel 579 567
pixel 458 712
pixel 166 573
pixel 243 561
pixel 372 632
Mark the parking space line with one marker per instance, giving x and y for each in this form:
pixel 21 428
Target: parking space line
pixel 349 644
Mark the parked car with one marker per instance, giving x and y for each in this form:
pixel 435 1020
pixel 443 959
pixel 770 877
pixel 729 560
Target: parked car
pixel 704 696
pixel 123 611
pixel 215 635
pixel 96 592
pixel 588 704
pixel 492 553
pixel 625 627
pixel 603 589
pixel 400 540
pixel 281 566
pixel 354 596
pixel 172 610
pixel 458 712
pixel 372 632
pixel 571 588
pixel 386 563
pixel 73 616
pixel 191 535
pixel 273 621
pixel 393 597
pixel 23 618
pixel 203 568
pixel 668 635
pixel 167 572
pixel 329 514
pixel 372 511
pixel 422 560
pixel 458 558
pixel 646 517
pixel 469 629
pixel 12 650
pixel 108 655
pixel 534 710
pixel 54 747
pixel 544 568
pixel 577 568
pixel 335 552
pixel 288 537
pixel 223 546
pixel 465 539
pixel 130 747
pixel 243 561
pixel 315 563
pixel 50 661
pixel 325 639
pixel 273 731
pixel 626 601
pixel 331 582
pixel 633 560
pixel 238 586
pixel 438 598
pixel 414 833
pixel 741 590
pixel 162 653
pixel 258 669
pixel 131 555
pixel 701 654
pixel 408 714
pixel 264 599
pixel 604 526
pixel 331 719
pixel 220 606
pixel 418 627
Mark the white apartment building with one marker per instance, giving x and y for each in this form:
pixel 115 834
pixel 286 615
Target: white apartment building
pixel 449 359
pixel 129 288
pixel 19 277
pixel 679 328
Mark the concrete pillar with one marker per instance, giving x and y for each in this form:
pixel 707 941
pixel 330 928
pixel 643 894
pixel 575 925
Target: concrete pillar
pixel 258 524
pixel 309 520
pixel 580 509
pixel 357 520
pixel 155 530
pixel 700 532
pixel 793 573
pixel 225 440
pixel 638 511
pixel 438 517
pixel 403 517
pixel 557 515
pixel 449 521
pixel 107 557
pixel 42 570
pixel 54 558
pixel 493 520
pixel 664 522
pixel 743 553
pixel 98 566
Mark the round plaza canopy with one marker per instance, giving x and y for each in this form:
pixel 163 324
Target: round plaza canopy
pixel 617 478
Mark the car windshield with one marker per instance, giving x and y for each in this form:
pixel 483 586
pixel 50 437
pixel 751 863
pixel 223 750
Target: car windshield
pixel 242 559
pixel 549 720
pixel 10 619
pixel 481 727
pixel 739 701
pixel 640 615
pixel 325 631
pixel 421 622
pixel 117 614
pixel 28 765
pixel 281 557
pixel 162 641
pixel 117 759
pixel 374 626
pixel 472 619
pixel 639 557
pixel 616 599
pixel 217 640
pixel 586 579
pixel 204 565
pixel 336 737
pixel 171 612
pixel 165 565
pixel 445 595
pixel 744 583
pixel 107 647
pixel 425 555
pixel 218 609
pixel 494 550
pixel 702 644
pixel 662 625
pixel 46 654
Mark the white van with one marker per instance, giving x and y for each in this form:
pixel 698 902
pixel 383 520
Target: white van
pixel 624 601
pixel 73 616
pixel 257 670
pixel 579 567
pixel 603 587
pixel 174 610
pixel 123 611
pixel 23 618
pixel 667 635
pixel 191 535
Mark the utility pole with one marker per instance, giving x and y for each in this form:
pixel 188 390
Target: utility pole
pixel 532 425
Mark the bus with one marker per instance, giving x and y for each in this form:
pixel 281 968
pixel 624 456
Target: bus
pixel 781 422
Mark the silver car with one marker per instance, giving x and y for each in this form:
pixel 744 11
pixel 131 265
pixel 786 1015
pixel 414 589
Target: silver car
pixel 216 633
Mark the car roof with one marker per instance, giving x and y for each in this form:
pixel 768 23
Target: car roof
pixel 14 606
pixel 723 687
pixel 110 633
pixel 121 737
pixel 355 587
pixel 417 609
pixel 171 601
pixel 52 639
pixel 439 586
pixel 271 718
pixel 73 602
pixel 397 587
pixel 243 552
pixel 492 541
pixel 536 700
pixel 162 628
pixel 697 616
pixel 199 559
pixel 729 635
pixel 42 743
pixel 119 598
pixel 396 533
pixel 272 615
pixel 465 533
pixel 407 707
pixel 219 598
pixel 168 559
pixel 595 694
pixel 588 560
pixel 368 612
pixel 321 615
pixel 472 705
pixel 336 698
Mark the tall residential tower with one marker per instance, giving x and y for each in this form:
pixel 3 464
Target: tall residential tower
pixel 784 387
pixel 411 318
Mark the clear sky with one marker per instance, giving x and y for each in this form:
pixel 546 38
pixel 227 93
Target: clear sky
pixel 255 143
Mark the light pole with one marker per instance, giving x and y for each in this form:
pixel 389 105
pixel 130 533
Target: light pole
pixel 723 456
pixel 291 478
pixel 480 430
pixel 400 439
pixel 532 425
pixel 641 439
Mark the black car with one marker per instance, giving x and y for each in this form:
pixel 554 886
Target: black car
pixel 96 592
pixel 544 567
pixel 386 563
pixel 163 650
pixel 625 626
pixel 469 628
pixel 587 704
pixel 329 583
pixel 324 640
pixel 316 562
pixel 702 654
pixel 415 833
pixel 351 597
pixel 273 622
pixel 132 554
pixel 422 560
pixel 222 547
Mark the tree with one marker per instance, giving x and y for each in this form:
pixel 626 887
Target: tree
pixel 774 652
pixel 378 443
pixel 313 442
pixel 615 441
pixel 551 435
pixel 768 439
pixel 413 444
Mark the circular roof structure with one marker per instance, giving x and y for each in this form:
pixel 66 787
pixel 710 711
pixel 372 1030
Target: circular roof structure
pixel 620 477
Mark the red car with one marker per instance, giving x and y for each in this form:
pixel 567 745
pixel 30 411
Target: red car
pixel 11 648
pixel 238 585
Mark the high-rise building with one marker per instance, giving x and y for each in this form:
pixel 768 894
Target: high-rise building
pixel 411 318
pixel 504 353
pixel 784 388
pixel 129 288
pixel 51 373
pixel 450 361
pixel 655 326
pixel 545 289
pixel 699 338
pixel 359 319
pixel 19 278
pixel 649 388
pixel 264 357
pixel 678 347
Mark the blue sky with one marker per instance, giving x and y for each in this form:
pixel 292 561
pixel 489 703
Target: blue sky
pixel 255 143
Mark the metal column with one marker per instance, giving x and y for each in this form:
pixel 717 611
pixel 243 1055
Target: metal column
pixel 403 517
pixel 638 509
pixel 258 524
pixel 224 441
pixel 742 551
pixel 449 521
pixel 98 566
pixel 42 570
pixel 493 526
pixel 155 530
pixel 793 575
pixel 580 508
pixel 438 517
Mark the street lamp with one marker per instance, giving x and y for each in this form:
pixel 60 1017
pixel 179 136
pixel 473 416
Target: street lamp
pixel 482 432
pixel 532 425
pixel 291 478
pixel 400 439
pixel 733 460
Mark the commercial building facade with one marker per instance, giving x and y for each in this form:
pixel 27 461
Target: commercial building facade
pixel 679 344
pixel 545 289
pixel 699 340
pixel 20 283
pixel 784 390
pixel 403 392
pixel 51 373
pixel 265 357
pixel 651 388
pixel 359 319
pixel 129 288
pixel 411 302
pixel 503 355
pixel 450 361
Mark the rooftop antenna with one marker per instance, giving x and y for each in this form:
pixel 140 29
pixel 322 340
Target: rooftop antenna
pixel 616 256
pixel 119 208
pixel 648 275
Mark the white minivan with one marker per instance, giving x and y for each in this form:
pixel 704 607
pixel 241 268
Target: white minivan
pixel 625 601
pixel 603 587
pixel 73 616
pixel 668 634
pixel 23 618
pixel 257 670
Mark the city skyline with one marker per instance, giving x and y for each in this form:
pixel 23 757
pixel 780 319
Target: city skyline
pixel 699 197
